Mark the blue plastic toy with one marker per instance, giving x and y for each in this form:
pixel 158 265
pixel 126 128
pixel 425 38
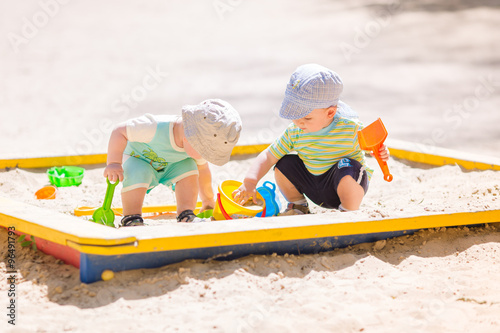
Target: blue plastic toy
pixel 268 192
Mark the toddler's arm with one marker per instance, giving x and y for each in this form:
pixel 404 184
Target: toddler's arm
pixel 116 146
pixel 259 168
pixel 205 184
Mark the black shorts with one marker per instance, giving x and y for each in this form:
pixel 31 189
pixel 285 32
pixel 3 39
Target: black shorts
pixel 322 189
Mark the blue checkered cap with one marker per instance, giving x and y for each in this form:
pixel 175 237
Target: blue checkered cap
pixel 345 111
pixel 310 87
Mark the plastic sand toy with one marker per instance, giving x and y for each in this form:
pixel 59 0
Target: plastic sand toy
pixel 46 192
pixel 206 214
pixel 372 137
pixel 268 192
pixel 65 176
pixel 227 209
pixel 105 214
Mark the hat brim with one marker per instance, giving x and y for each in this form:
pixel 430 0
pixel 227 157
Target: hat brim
pixel 215 148
pixel 292 110
pixel 191 133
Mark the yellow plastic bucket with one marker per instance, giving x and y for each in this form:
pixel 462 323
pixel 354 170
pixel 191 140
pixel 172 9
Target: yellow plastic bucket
pixel 231 209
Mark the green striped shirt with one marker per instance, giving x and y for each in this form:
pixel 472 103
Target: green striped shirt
pixel 322 149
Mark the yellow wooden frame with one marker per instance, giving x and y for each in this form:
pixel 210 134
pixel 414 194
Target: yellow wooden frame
pixel 92 238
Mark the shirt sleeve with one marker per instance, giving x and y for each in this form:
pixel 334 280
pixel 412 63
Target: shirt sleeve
pixel 200 161
pixel 141 129
pixel 355 142
pixel 283 145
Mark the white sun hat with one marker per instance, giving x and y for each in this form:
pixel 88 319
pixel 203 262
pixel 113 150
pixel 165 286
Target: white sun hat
pixel 212 128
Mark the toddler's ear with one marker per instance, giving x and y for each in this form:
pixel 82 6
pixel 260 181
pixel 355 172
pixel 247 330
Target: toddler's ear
pixel 331 111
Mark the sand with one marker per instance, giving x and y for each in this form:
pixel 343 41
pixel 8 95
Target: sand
pixel 428 69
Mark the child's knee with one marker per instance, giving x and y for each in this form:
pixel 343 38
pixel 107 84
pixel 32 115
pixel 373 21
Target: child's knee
pixel 187 185
pixel 349 184
pixel 350 193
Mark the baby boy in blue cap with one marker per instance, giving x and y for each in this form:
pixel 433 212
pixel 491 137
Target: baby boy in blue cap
pixel 329 166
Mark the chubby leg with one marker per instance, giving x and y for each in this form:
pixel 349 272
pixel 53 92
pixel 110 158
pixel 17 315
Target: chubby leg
pixel 132 207
pixel 350 193
pixel 186 193
pixel 297 202
pixel 138 176
pixel 288 190
pixel 132 201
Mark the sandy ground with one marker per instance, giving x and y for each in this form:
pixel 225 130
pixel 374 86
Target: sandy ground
pixel 438 280
pixel 429 69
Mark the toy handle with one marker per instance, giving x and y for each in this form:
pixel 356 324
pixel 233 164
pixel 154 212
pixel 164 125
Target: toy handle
pixel 383 165
pixel 223 211
pixel 110 191
pixel 269 185
pixel 387 175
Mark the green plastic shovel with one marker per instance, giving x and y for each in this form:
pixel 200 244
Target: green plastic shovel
pixel 105 214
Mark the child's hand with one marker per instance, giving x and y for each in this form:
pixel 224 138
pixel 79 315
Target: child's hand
pixel 383 152
pixel 245 192
pixel 114 172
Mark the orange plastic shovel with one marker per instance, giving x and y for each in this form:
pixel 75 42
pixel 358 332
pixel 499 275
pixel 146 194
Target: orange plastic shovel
pixel 372 137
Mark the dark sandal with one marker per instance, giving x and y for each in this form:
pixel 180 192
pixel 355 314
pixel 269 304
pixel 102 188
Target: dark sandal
pixel 132 220
pixel 293 209
pixel 188 216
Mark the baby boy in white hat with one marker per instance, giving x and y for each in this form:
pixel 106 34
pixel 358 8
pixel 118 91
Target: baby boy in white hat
pixel 171 150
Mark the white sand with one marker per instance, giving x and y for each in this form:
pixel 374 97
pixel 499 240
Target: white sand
pixel 435 280
pixel 430 72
